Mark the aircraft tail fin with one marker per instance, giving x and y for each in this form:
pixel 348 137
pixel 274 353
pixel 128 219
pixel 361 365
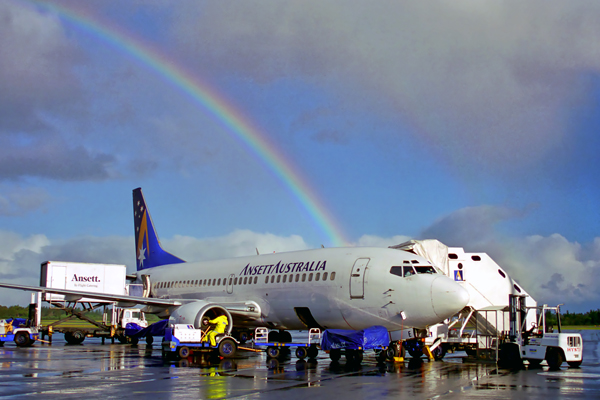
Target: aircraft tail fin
pixel 148 251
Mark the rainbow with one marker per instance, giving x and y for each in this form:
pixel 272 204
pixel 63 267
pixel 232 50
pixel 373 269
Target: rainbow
pixel 215 104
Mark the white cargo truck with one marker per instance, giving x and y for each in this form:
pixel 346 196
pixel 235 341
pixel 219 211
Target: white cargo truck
pixel 90 277
pixel 100 278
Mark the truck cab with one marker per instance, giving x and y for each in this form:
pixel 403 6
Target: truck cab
pixel 131 315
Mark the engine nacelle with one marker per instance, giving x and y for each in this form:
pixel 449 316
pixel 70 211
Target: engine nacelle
pixel 196 312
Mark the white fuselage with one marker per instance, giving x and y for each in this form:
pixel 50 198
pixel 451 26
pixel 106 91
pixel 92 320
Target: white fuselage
pixel 342 288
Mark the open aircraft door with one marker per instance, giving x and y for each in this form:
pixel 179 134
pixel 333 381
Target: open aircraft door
pixel 357 278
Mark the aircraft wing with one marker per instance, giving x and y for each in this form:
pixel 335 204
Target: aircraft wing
pixel 75 295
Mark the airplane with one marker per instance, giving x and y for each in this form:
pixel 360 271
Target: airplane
pixel 328 288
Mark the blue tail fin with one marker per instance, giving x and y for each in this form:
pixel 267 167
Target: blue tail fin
pixel 148 251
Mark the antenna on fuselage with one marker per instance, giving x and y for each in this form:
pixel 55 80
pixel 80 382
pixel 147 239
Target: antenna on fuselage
pixel 257 253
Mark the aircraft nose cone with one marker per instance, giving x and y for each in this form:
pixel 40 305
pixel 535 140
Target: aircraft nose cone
pixel 447 297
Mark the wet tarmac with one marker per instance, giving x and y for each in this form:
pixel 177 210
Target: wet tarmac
pixel 93 370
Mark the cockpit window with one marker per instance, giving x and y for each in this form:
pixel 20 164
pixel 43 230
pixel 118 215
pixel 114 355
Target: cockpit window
pixel 402 271
pixel 425 270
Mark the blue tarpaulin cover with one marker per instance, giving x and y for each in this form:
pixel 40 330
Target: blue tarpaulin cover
pixel 156 329
pixel 374 337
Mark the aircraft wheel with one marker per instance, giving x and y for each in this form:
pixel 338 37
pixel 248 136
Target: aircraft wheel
pixel 301 352
pixel 149 340
pixel 227 348
pixel 381 356
pixel 22 339
pixel 273 352
pixel 183 352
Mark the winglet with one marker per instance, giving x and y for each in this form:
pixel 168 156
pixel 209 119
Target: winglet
pixel 148 251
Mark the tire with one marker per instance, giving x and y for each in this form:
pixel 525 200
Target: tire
pixel 509 356
pixel 22 339
pixel 574 364
pixel 358 356
pixel 414 348
pixel 76 337
pixel 183 352
pixel 554 358
pixel 274 337
pixel 381 356
pixel 149 340
pixel 227 348
pixel 335 355
pixel 132 340
pixel 301 353
pixel 313 351
pixel 122 339
pixel 273 352
pixel 438 353
pixel 244 336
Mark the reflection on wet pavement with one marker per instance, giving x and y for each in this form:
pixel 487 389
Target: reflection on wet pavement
pixel 116 371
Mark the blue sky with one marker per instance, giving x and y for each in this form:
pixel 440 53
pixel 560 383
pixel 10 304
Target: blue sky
pixel 460 121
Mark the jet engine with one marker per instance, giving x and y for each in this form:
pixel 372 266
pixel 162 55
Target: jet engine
pixel 198 312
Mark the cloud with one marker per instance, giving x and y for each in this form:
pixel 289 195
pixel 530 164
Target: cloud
pixel 18 201
pixel 36 75
pixel 238 243
pixel 23 255
pixel 480 84
pixel 377 241
pixel 551 268
pixel 54 159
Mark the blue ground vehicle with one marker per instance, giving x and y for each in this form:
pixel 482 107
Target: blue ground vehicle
pixel 182 340
pixel 17 330
pixel 354 343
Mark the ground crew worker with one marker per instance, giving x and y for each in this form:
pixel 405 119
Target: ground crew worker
pixel 221 323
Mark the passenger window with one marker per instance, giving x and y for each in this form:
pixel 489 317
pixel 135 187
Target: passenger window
pixel 245 280
pixel 273 279
pixel 278 278
pixel 310 276
pixel 425 270
pixel 332 275
pixel 266 279
pixel 255 279
pixel 297 277
pixel 230 281
pixel 235 281
pixel 284 278
pixel 324 276
pixel 219 282
pixel 303 277
pixel 317 276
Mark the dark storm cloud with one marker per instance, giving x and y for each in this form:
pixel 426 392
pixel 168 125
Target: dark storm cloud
pixel 53 159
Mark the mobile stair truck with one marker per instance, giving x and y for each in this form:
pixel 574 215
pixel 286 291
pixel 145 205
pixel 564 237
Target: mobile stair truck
pixel 539 342
pixel 475 328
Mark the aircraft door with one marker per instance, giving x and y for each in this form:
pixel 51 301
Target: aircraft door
pixel 230 283
pixel 147 285
pixel 357 278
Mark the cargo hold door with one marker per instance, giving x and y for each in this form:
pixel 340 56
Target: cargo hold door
pixel 357 278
